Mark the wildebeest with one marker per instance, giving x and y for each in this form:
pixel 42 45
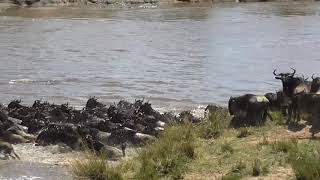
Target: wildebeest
pixel 309 103
pixel 7 150
pixel 315 85
pixel 249 109
pixel 292 87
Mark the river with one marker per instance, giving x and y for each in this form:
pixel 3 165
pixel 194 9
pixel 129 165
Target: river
pixel 177 57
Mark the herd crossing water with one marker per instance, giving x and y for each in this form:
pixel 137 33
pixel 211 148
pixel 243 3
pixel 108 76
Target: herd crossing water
pixel 177 57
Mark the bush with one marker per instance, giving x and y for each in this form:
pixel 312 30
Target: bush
pixel 94 168
pixel 244 132
pixel 226 147
pixel 258 168
pixel 212 126
pixel 285 146
pixel 167 156
pixel 239 167
pixel 231 177
pixel 278 118
pixel 305 164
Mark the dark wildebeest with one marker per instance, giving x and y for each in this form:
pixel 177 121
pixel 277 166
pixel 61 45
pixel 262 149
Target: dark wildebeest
pixel 278 101
pixel 250 108
pixel 292 87
pixel 274 101
pixel 309 103
pixel 315 85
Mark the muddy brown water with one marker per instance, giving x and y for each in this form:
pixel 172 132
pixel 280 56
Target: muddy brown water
pixel 177 57
pixel 13 170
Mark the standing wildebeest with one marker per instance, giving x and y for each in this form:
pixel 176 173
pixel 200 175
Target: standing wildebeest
pixel 315 85
pixel 292 87
pixel 310 103
pixel 278 101
pixel 250 108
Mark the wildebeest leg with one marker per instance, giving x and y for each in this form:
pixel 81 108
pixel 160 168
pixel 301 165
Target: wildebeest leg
pixel 15 154
pixel 289 113
pixel 296 111
pixel 267 115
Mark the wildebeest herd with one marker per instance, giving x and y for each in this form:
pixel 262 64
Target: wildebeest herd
pixel 110 129
pixel 102 128
pixel 298 96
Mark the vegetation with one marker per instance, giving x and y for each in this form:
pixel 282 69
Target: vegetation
pixel 186 150
pixel 285 146
pixel 94 167
pixel 244 132
pixel 168 156
pixel 305 162
pixel 214 125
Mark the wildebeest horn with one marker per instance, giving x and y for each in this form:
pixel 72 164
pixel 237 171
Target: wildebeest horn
pixel 294 71
pixel 274 73
pixel 312 77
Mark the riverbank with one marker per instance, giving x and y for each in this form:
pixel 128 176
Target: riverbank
pixel 273 151
pixel 122 3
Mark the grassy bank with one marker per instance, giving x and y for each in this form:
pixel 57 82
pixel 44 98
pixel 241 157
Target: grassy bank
pixel 210 150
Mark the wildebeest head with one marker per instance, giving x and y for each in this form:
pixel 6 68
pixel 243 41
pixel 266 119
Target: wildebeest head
pixel 284 76
pixel 289 82
pixel 232 105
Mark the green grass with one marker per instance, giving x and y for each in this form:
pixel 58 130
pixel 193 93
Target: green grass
pixel 227 148
pixel 214 124
pixel 285 146
pixel 168 156
pixel 278 118
pixel 212 149
pixel 305 161
pixel 94 168
pixel 258 168
pixel 243 132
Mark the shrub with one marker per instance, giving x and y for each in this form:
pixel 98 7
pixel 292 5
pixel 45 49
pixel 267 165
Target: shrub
pixel 231 177
pixel 258 168
pixel 305 164
pixel 243 132
pixel 239 167
pixel 167 156
pixel 212 126
pixel 278 118
pixel 285 146
pixel 226 147
pixel 94 168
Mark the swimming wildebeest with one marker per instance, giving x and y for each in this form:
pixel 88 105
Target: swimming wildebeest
pixel 292 87
pixel 7 150
pixel 249 109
